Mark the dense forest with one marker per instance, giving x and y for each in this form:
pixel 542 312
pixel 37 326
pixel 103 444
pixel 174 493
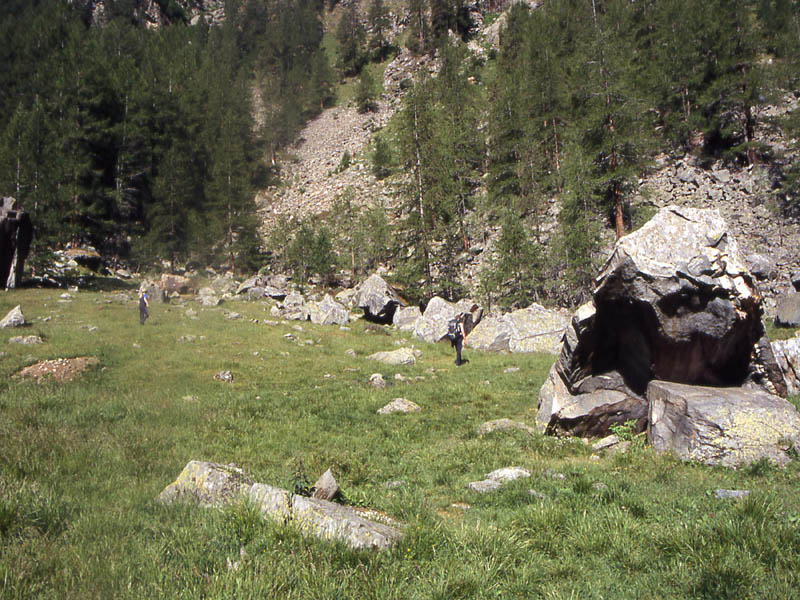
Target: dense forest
pixel 150 142
pixel 142 141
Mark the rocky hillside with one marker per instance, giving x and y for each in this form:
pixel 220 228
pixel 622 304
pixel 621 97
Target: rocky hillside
pixel 311 180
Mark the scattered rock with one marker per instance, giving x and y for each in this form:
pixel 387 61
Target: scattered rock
pixel 232 316
pixel 432 326
pixel 532 329
pixel 350 352
pixel 606 442
pixel 14 318
pixel 482 487
pixel 507 474
pixel 376 380
pixel 762 267
pixel 402 356
pixel 401 405
pixel 214 485
pixel 511 370
pixel 787 353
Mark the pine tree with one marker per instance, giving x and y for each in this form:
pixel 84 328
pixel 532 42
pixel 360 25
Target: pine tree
pixel 379 23
pixel 350 35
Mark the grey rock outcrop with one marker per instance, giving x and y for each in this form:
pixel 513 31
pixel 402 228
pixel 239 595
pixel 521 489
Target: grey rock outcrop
pixel 730 427
pixel 673 302
pixel 532 329
pixel 787 313
pixel 172 283
pixel 327 312
pixel 213 485
pixel 16 234
pixel 293 308
pixel 14 318
pixel 377 299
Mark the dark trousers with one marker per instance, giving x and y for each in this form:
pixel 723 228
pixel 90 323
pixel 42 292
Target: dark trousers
pixel 458 343
pixel 143 314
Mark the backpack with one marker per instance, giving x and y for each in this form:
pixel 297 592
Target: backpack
pixel 453 330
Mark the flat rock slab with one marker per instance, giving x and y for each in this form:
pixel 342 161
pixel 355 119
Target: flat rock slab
pixel 721 426
pixel 213 485
pixel 497 478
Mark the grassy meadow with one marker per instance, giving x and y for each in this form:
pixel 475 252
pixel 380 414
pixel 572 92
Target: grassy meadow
pixel 81 465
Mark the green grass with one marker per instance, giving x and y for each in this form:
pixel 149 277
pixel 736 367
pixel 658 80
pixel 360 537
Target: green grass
pixel 81 465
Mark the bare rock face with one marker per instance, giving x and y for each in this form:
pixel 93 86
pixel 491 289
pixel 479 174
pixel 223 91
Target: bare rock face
pixel 787 353
pixel 16 234
pixel 213 485
pixel 730 427
pixel 673 302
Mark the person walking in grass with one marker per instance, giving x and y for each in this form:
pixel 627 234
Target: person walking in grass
pixel 456 332
pixel 144 304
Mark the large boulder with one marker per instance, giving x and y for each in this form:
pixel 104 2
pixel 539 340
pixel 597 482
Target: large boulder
pixel 532 329
pixel 730 427
pixel 327 312
pixel 213 485
pixel 432 327
pixel 377 299
pixel 16 234
pixel 673 302
pixel 787 313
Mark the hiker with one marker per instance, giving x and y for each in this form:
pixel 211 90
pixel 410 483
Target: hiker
pixel 456 332
pixel 144 304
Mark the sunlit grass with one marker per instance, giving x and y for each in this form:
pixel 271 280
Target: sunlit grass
pixel 81 464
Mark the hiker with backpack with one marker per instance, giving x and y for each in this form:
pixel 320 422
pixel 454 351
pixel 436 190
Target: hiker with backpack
pixel 456 332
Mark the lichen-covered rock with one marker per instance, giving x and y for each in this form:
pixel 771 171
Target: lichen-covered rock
pixel 787 313
pixel 215 485
pixel 730 427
